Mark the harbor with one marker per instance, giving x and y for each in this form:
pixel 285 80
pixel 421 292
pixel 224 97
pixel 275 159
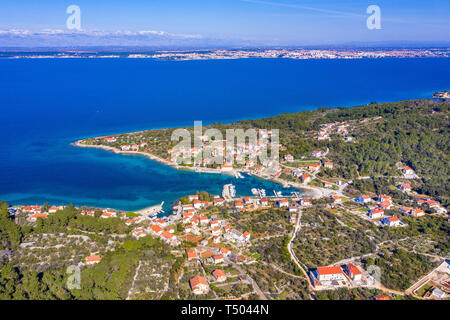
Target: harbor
pixel 229 193
pixel 152 211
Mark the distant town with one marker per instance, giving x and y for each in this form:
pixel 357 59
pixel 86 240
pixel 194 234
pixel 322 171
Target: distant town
pixel 238 54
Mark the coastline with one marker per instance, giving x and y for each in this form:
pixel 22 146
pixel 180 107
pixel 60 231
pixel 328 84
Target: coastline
pixel 312 192
pixel 115 150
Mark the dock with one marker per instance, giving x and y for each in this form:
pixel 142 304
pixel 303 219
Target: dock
pixel 152 211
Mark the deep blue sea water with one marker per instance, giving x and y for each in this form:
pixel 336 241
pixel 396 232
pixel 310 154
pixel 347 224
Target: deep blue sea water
pixel 47 103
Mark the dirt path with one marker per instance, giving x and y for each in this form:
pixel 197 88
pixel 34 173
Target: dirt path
pixel 134 280
pixel 291 252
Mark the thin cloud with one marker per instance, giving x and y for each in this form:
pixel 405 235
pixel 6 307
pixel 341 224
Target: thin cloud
pixel 296 6
pixel 342 14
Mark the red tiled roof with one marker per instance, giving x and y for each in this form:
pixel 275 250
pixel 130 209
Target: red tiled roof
pixel 224 250
pixel 167 235
pixel 39 215
pixel 157 229
pixel 377 210
pixel 385 204
pixel 218 273
pixel 197 280
pixel 191 253
pixel 353 269
pixel 92 258
pixel 329 270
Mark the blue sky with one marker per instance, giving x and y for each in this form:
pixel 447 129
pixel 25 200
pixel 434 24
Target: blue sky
pixel 285 21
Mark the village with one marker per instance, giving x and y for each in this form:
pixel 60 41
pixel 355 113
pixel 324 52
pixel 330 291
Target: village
pixel 206 230
pixel 214 245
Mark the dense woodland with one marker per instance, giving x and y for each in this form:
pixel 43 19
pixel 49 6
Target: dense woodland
pixel 109 279
pixel 413 132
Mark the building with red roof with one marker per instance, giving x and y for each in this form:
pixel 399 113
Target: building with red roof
pixel 219 275
pixel 191 253
pixel 283 203
pixel 328 273
pixel 225 251
pixel 93 259
pixel 199 285
pixel 305 178
pixel 156 229
pixel 35 216
pixel 376 213
pixel 407 170
pixel 353 272
pixel 218 258
pixel 391 221
pixel 417 212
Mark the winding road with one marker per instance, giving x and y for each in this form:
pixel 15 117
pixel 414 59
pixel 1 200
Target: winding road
pixel 291 252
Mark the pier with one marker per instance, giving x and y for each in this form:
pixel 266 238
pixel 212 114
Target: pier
pixel 152 211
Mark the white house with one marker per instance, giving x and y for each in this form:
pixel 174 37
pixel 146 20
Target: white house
pixel 328 273
pixel 328 165
pixel 125 147
pixel 407 170
pixel 376 213
pixel 199 285
pixel 227 167
pixel 289 158
pixel 283 203
pixel 363 199
pixel 193 197
pixel 198 204
pixel 305 178
pixel 353 272
pixel 405 187
pixel 317 153
pixel 305 202
pixel 391 221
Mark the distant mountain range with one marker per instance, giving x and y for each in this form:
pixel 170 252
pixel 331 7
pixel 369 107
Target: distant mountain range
pixel 145 38
pixel 154 39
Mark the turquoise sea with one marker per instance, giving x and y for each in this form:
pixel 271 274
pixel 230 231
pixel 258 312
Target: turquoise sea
pixel 45 104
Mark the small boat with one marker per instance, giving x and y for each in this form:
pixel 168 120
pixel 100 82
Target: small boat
pixel 262 193
pixel 255 191
pixel 232 191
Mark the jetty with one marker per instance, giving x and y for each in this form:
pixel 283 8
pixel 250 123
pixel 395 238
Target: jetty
pixel 152 211
pixel 228 192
